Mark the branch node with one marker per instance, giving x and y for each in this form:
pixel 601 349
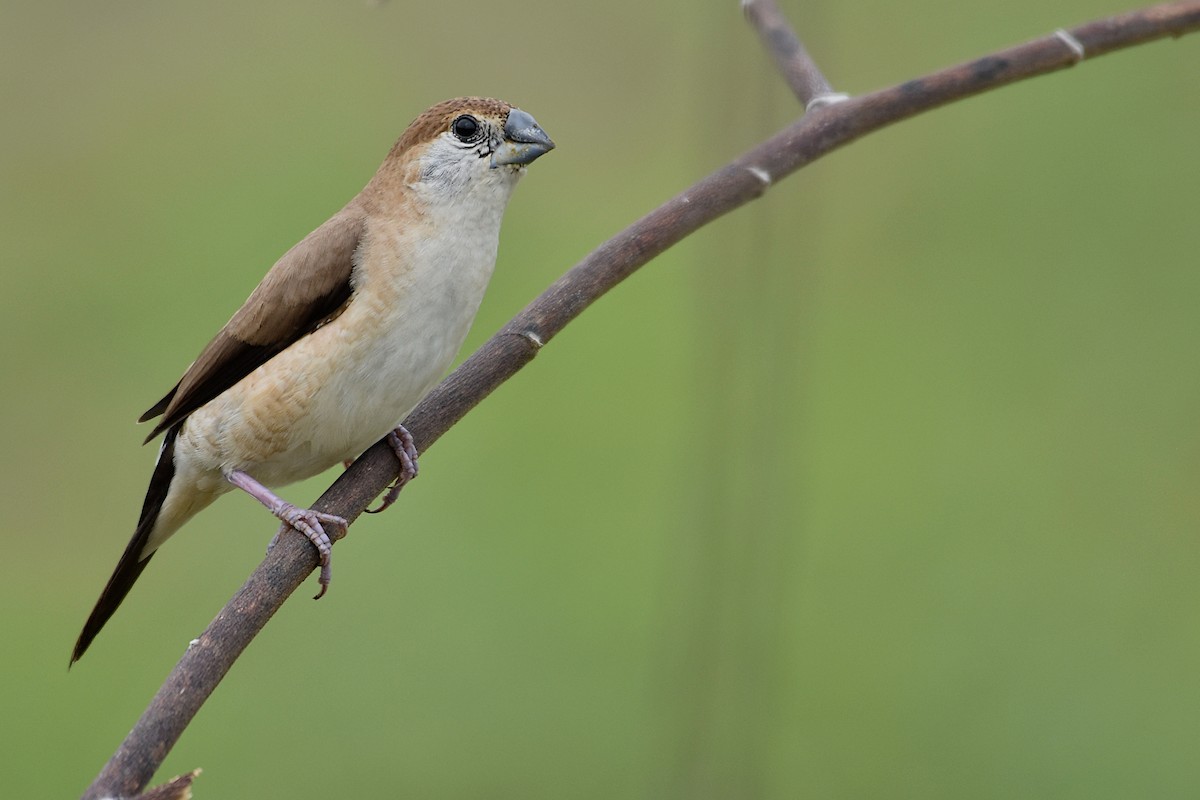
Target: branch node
pixel 1076 46
pixel 761 174
pixel 827 99
pixel 531 337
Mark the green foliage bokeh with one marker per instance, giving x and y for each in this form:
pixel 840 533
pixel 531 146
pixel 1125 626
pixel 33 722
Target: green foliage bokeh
pixel 884 486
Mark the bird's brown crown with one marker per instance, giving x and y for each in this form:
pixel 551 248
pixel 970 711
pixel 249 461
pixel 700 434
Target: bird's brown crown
pixel 438 118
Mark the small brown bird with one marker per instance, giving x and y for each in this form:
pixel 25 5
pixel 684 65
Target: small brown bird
pixel 345 334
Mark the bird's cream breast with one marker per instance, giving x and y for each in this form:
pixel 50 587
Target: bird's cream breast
pixel 334 392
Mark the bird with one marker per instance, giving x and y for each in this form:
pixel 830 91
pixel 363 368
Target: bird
pixel 344 335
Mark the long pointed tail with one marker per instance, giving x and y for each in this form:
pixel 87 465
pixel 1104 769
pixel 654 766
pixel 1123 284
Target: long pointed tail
pixel 132 563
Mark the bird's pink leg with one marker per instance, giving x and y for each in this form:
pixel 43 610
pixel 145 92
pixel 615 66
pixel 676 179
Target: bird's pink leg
pixel 304 520
pixel 406 451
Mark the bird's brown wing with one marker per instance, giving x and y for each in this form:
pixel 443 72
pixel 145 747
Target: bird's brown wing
pixel 306 288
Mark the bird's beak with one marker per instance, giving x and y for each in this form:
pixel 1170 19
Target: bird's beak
pixel 523 140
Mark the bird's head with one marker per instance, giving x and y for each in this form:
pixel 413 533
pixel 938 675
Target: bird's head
pixel 469 144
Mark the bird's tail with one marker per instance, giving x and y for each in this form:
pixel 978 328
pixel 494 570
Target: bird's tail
pixel 132 562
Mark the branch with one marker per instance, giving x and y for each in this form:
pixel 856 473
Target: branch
pixel 208 660
pixel 793 61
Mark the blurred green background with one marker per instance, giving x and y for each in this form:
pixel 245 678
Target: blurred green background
pixel 884 486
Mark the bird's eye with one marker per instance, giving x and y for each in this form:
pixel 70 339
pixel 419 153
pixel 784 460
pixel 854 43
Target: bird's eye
pixel 465 128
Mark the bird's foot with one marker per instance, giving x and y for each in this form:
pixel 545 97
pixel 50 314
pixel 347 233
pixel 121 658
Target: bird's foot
pixel 304 520
pixel 406 452
pixel 309 523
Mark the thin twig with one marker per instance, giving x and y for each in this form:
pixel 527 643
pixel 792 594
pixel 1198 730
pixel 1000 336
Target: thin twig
pixel 178 788
pixel 793 61
pixel 207 661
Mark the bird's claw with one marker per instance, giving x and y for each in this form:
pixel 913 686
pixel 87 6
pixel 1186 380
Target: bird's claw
pixel 309 523
pixel 406 453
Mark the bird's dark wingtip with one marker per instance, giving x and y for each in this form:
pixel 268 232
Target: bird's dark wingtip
pixel 159 408
pixel 76 654
pixel 130 567
pixel 126 574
